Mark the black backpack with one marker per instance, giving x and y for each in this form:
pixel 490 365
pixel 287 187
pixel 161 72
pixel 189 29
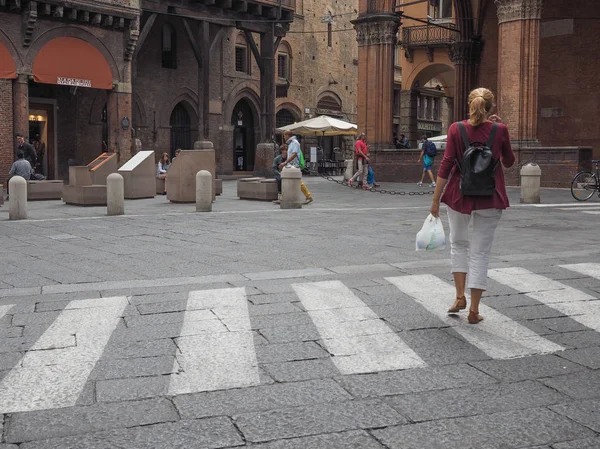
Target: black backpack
pixel 478 166
pixel 430 148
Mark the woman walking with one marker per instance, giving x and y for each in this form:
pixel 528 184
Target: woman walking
pixel 470 254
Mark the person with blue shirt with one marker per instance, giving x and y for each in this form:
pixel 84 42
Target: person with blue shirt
pixel 428 152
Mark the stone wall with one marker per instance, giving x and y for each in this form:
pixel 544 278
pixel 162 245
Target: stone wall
pixel 558 164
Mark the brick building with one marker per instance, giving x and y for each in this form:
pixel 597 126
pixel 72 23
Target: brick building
pixel 536 55
pixel 88 76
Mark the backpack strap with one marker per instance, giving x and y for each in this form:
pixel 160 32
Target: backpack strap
pixel 490 140
pixel 465 136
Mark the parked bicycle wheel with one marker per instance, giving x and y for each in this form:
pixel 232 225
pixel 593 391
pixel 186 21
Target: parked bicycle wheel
pixel 584 185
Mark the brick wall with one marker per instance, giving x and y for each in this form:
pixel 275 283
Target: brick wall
pixel 6 129
pixel 569 101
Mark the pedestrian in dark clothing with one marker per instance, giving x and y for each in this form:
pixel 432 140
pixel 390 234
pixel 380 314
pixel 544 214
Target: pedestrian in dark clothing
pixel 27 148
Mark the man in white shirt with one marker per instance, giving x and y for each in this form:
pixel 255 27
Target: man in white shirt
pixel 293 159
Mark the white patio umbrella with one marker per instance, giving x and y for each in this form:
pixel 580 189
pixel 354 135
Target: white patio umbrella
pixel 322 125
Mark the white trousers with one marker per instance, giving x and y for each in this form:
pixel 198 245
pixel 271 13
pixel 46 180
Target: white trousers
pixel 471 255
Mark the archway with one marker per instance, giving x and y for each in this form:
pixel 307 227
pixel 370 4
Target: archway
pixel 242 120
pixel 181 128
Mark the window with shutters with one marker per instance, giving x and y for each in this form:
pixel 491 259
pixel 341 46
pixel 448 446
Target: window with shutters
pixel 241 59
pixel 284 61
pixel 282 66
pixel 242 55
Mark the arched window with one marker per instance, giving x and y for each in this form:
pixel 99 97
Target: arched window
pixel 242 55
pixel 284 118
pixel 284 61
pixel 169 47
pixel 330 103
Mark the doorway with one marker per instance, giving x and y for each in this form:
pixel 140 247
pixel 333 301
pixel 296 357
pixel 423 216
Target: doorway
pixel 42 137
pixel 181 129
pixel 243 123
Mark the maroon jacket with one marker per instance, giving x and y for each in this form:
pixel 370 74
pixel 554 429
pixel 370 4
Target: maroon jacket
pixel 448 170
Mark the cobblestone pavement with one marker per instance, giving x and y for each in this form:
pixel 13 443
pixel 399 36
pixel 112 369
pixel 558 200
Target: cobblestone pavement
pixel 318 328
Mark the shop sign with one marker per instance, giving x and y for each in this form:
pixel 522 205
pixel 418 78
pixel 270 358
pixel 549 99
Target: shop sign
pixel 73 82
pixel 428 126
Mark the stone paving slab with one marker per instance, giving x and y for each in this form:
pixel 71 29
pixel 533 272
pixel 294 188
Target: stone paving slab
pixel 260 398
pixel 342 440
pixel 586 443
pixel 131 389
pixel 586 413
pixel 580 385
pixel 301 370
pixel 505 430
pixel 533 367
pixel 210 433
pixel 415 380
pixel 45 424
pixel 589 357
pixel 316 419
pixel 460 402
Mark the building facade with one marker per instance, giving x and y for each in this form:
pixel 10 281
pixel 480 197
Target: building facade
pixel 534 54
pixel 87 77
pixel 424 96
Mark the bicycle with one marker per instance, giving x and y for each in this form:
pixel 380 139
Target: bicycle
pixel 586 183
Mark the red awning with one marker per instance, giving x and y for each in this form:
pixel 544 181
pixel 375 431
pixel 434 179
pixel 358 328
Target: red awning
pixel 69 61
pixel 7 64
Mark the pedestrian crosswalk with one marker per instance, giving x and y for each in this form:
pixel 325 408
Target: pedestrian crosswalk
pixel 588 208
pixel 215 345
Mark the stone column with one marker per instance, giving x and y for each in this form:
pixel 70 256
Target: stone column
pixel 376 29
pixel 465 55
pixel 409 116
pixel 267 85
pixel 450 104
pixel 119 108
pixel 21 106
pixel 518 67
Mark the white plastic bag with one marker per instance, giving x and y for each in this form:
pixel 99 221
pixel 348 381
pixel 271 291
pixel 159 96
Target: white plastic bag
pixel 431 236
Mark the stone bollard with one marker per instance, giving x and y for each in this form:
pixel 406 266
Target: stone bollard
pixel 115 194
pixel 207 145
pixel 530 183
pixel 290 188
pixel 204 191
pixel 17 202
pixel 349 169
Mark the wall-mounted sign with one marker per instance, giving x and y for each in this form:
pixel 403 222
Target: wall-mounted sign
pixel 73 82
pixel 428 126
pixel 125 123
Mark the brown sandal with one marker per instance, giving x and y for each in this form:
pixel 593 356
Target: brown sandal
pixel 459 304
pixel 474 317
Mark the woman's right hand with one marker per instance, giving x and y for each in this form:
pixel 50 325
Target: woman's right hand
pixel 435 208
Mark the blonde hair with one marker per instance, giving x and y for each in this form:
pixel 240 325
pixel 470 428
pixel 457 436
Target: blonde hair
pixel 481 102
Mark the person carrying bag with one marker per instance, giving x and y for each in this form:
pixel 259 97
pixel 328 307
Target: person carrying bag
pixel 471 183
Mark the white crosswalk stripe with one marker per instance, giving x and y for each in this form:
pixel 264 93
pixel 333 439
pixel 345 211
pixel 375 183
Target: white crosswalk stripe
pixel 54 371
pixel 579 306
pixel 498 336
pixel 4 309
pixel 357 338
pixel 215 344
pixel 587 269
pixel 216 360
